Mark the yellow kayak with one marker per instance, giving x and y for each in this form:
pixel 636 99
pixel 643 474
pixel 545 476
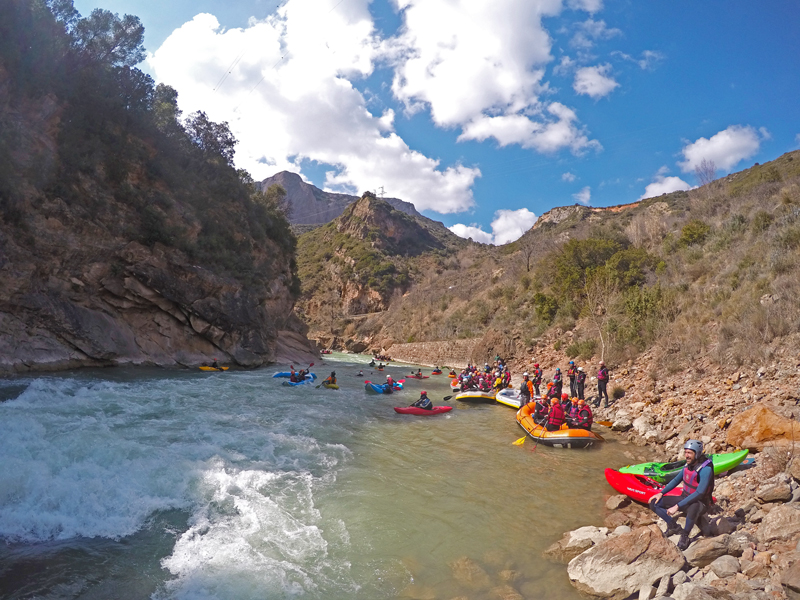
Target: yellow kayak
pixel 330 386
pixel 213 368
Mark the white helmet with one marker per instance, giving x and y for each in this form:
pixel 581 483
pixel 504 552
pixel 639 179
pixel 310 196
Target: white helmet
pixel 525 374
pixel 580 368
pixel 388 377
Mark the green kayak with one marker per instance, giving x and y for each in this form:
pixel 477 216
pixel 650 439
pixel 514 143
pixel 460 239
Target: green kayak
pixel 664 472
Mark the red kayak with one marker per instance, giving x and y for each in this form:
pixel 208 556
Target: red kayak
pixel 638 487
pixel 413 410
pixel 417 376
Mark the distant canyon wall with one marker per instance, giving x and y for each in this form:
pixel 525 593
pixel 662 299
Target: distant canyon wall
pixel 453 353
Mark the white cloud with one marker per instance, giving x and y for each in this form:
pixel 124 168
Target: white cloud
pixel 584 196
pixel 289 99
pixel 558 132
pixel 472 231
pixel 664 185
pixel 797 139
pixel 590 6
pixel 479 65
pixel 594 81
pixel 507 226
pixel 590 31
pixel 725 149
pixel 568 177
pixel 647 61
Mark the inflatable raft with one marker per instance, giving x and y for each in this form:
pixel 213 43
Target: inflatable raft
pixel 413 410
pixel 330 386
pixel 664 472
pixel 382 388
pixel 510 397
pixel 475 396
pixel 287 374
pixel 561 438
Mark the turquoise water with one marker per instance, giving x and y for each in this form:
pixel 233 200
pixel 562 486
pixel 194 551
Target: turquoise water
pixel 155 484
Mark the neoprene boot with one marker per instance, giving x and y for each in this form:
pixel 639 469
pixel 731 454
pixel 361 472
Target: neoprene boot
pixel 683 543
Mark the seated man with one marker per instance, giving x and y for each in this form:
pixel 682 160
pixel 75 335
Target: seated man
pixel 424 401
pixel 540 411
pixel 556 417
pixel 698 485
pixel 332 379
pixel 585 417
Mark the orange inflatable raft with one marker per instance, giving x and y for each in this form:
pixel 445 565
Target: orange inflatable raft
pixel 561 438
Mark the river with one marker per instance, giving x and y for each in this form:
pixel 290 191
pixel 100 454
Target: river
pixel 145 483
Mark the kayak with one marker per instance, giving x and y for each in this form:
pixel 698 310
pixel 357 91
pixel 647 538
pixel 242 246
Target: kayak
pixel 311 376
pixel 414 410
pixel 436 372
pixel 638 487
pixel 213 368
pixel 378 389
pixel 330 386
pixel 452 375
pixel 510 398
pixel 475 396
pixel 294 383
pixel 565 437
pixel 664 472
pixel 417 376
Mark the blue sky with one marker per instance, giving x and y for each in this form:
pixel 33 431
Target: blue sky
pixel 486 113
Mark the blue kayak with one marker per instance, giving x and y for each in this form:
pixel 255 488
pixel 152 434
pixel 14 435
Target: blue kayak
pixel 287 374
pixel 308 380
pixel 378 389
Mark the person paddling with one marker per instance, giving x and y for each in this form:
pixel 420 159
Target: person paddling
pixel 698 486
pixel 215 365
pixel 330 380
pixel 423 402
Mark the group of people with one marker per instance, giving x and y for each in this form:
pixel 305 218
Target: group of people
pixel 381 357
pixel 492 377
pixel 552 413
pixel 297 376
pixel 531 383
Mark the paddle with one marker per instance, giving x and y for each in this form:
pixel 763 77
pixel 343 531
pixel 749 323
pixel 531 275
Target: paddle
pixel 605 423
pixel 446 398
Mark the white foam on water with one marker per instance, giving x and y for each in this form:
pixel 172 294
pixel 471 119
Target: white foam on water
pixel 257 536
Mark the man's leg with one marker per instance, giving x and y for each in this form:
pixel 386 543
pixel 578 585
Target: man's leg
pixel 660 508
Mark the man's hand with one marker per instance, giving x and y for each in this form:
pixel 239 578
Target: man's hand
pixel 656 498
pixel 672 510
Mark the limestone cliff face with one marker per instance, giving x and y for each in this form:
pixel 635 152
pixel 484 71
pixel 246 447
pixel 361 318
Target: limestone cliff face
pixel 83 283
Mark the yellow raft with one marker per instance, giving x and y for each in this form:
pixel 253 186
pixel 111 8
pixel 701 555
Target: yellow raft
pixel 475 396
pixel 213 368
pixel 561 438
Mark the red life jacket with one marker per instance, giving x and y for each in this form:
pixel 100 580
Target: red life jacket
pixel 602 374
pixel 571 372
pixel 539 410
pixel 585 416
pixel 573 411
pixel 556 415
pixel 691 479
pixel 537 376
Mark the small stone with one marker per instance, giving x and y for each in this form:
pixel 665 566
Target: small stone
pixel 663 586
pixel 725 566
pixel 680 577
pixel 618 501
pixel 647 592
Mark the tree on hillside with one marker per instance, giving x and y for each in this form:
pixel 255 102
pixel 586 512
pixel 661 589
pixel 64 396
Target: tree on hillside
pixel 214 139
pixel 706 172
pixel 109 39
pixel 529 247
pixel 600 291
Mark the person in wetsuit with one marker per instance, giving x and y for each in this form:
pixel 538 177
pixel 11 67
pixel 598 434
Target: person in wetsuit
pixel 423 402
pixel 698 486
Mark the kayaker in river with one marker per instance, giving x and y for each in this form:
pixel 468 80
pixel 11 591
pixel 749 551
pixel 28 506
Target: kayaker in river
pixel 698 486
pixel 331 380
pixel 555 418
pixel 424 401
pixel 360 373
pixel 389 381
pixel 214 364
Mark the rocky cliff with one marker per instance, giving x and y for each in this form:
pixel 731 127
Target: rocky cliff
pixel 126 236
pixel 310 205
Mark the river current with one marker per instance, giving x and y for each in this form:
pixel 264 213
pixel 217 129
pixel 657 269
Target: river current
pixel 139 483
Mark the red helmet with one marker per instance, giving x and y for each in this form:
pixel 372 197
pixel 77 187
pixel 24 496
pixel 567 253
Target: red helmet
pixel 536 365
pixel 423 393
pixel 565 396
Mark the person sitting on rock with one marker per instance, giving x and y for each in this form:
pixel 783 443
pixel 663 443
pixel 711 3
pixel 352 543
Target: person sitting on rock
pixel 698 486
pixel 424 401
pixel 555 418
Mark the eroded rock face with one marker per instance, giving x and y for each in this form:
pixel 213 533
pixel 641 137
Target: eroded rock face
pixel 620 566
pixel 575 542
pixel 759 426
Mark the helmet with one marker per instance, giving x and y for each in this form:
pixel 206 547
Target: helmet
pixel 388 377
pixel 580 368
pixel 581 401
pixel 602 362
pixel 525 374
pixel 574 400
pixel 423 393
pixel 572 362
pixel 695 445
pixel 565 396
pixel 558 370
pixel 549 385
pixel 536 365
pixel 554 401
pixel 333 373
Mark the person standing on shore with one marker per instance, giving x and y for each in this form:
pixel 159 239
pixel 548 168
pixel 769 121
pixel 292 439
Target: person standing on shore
pixel 558 382
pixel 698 486
pixel 602 384
pixel 572 373
pixel 581 383
pixel 537 378
pixel 526 388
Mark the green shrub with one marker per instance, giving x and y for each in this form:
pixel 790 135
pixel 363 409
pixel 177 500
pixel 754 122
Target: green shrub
pixel 617 392
pixel 761 221
pixel 694 232
pixel 546 307
pixel 557 345
pixel 583 349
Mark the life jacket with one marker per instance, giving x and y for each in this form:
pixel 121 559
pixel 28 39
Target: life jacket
pixel 573 411
pixel 425 403
pixel 537 376
pixel 556 377
pixel 585 416
pixel 602 374
pixel 390 381
pixel 581 376
pixel 556 415
pixel 331 380
pixel 571 372
pixel 525 389
pixel 539 409
pixel 691 479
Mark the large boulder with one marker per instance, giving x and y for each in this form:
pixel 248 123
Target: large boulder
pixel 698 591
pixel 620 566
pixel 790 579
pixel 782 523
pixel 776 489
pixel 725 566
pixel 759 427
pixel 707 550
pixel 575 542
